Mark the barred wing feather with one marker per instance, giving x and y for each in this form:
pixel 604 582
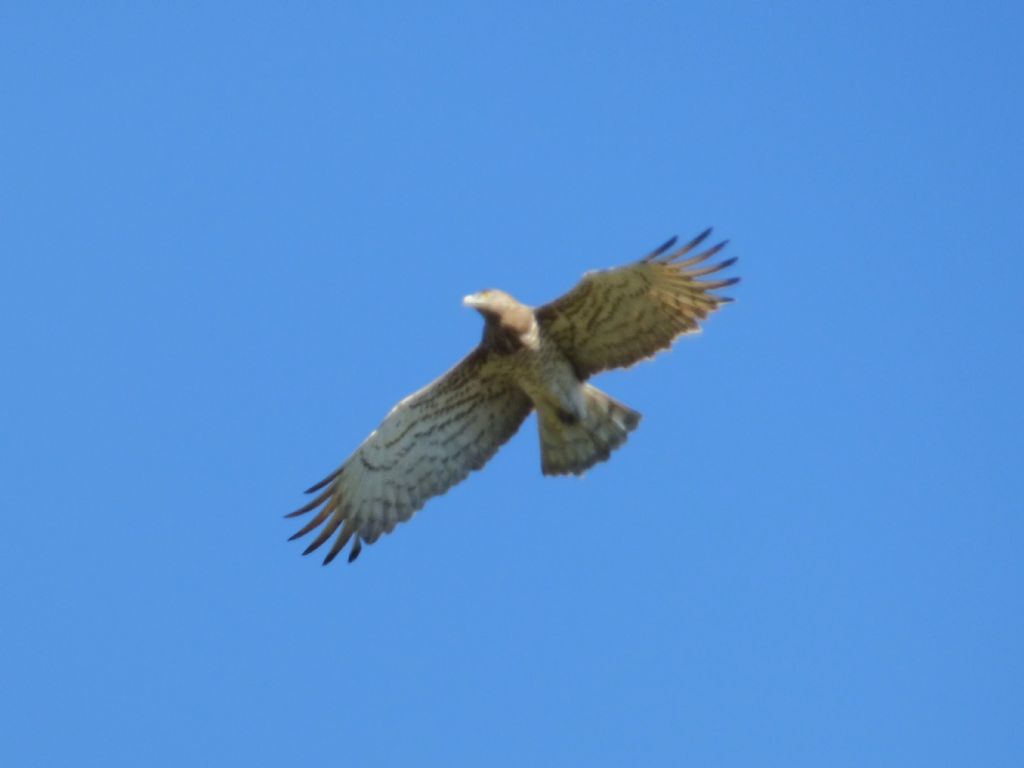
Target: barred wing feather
pixel 616 317
pixel 429 442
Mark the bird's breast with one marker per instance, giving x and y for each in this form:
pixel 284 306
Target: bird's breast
pixel 548 378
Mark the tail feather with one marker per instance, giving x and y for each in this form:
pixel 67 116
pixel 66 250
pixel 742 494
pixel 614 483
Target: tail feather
pixel 570 446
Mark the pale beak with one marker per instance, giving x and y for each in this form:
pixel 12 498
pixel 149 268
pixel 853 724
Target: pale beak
pixel 473 300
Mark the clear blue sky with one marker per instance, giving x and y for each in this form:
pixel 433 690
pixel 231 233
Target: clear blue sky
pixel 232 236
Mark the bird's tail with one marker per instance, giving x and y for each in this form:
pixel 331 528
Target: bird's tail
pixel 569 445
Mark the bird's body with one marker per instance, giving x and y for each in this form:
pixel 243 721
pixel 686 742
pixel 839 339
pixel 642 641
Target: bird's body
pixel 528 359
pixel 535 363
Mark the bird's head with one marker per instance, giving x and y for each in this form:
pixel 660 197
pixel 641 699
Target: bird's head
pixel 490 303
pixel 501 311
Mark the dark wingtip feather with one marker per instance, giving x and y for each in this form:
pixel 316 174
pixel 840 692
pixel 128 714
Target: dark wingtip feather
pixel 325 534
pixel 325 481
pixel 699 238
pixel 693 243
pixel 699 258
pixel 694 273
pixel 661 248
pixel 312 523
pixel 304 530
pixel 311 505
pixel 717 247
pixel 341 540
pixel 728 282
pixel 357 547
pixel 330 556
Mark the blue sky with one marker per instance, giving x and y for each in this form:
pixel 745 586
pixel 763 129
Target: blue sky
pixel 232 236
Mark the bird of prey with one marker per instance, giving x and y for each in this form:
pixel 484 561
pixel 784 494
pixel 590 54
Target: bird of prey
pixel 529 359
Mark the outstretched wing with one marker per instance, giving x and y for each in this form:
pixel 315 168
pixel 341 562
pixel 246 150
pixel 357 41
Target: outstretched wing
pixel 429 442
pixel 616 317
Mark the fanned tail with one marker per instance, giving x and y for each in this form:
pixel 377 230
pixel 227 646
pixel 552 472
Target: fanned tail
pixel 570 446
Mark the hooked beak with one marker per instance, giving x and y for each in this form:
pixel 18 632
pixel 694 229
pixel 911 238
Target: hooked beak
pixel 473 300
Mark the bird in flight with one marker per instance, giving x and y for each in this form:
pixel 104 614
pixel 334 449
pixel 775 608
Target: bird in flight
pixel 530 358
